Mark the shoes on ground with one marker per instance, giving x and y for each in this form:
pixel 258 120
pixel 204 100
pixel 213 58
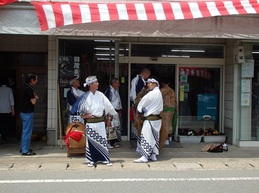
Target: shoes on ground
pixel 29 153
pixel 225 147
pixel 109 146
pixel 166 142
pixel 90 164
pixel 116 146
pixel 153 157
pixel 107 163
pixel 143 159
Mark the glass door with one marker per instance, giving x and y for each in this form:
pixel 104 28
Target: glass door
pixel 199 101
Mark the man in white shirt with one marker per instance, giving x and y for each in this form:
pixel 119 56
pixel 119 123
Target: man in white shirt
pixel 112 93
pixel 138 83
pixel 6 108
pixel 72 95
pixel 74 92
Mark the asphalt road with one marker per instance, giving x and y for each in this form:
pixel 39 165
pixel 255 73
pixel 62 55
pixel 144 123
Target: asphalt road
pixel 180 168
pixel 212 181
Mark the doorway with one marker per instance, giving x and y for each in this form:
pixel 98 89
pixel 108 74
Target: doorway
pixel 10 77
pixel 40 110
pixel 158 71
pixel 16 81
pixel 199 94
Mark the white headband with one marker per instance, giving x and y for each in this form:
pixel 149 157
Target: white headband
pixel 89 80
pixel 153 81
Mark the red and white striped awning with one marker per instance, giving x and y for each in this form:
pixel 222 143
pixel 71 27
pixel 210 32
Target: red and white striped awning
pixel 53 15
pixel 5 2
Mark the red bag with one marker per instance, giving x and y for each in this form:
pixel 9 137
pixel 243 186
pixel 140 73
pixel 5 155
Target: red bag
pixel 217 147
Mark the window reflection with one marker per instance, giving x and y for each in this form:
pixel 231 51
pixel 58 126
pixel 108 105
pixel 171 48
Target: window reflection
pixel 185 51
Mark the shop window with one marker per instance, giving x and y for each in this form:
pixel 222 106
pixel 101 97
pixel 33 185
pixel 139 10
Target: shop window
pixel 177 51
pixel 83 58
pixel 199 99
pixel 124 50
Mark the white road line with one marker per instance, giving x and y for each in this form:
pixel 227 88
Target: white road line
pixel 29 181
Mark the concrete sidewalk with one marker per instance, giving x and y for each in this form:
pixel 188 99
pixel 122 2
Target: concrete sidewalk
pixel 173 157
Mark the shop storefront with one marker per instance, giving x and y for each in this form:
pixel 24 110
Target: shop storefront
pixel 200 80
pixel 202 64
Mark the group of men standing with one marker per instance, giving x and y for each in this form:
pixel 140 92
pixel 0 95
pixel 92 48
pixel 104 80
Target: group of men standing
pixel 101 111
pixel 157 109
pixel 27 103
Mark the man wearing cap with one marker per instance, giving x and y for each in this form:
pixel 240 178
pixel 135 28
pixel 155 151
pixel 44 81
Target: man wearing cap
pixel 73 93
pixel 93 106
pixel 151 106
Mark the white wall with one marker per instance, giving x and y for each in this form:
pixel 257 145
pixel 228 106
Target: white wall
pixel 230 93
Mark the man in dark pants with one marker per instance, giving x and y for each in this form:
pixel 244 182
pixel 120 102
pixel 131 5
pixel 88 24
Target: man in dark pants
pixel 112 93
pixel 28 101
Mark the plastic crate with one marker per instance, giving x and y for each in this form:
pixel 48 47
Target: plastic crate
pixel 214 138
pixel 189 139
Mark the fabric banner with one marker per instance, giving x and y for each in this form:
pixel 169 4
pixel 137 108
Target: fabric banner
pixel 57 14
pixel 4 2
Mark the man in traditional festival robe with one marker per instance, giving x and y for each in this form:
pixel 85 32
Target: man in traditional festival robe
pixel 151 105
pixel 112 93
pixel 137 84
pixel 169 114
pixel 93 106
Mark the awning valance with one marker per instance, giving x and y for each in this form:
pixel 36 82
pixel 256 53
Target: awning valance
pixel 53 15
pixel 5 2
